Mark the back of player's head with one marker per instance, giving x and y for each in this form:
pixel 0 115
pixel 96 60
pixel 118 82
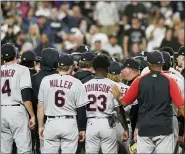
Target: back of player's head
pixel 28 58
pixel 101 61
pixel 49 59
pixel 170 51
pixel 86 60
pixel 8 52
pixel 65 62
pixel 167 60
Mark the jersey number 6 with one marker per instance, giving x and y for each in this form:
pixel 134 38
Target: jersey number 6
pixel 93 99
pixel 59 100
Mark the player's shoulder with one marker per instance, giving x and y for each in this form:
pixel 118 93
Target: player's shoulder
pixel 73 79
pixel 175 72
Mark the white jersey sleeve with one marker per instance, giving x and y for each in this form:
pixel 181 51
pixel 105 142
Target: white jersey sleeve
pixel 25 80
pixel 145 71
pixel 81 95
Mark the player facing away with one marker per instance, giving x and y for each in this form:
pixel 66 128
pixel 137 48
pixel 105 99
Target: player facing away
pixel 15 100
pixel 61 97
pixel 101 130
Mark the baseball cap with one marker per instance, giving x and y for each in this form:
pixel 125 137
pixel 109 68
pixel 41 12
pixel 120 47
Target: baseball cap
pixel 181 51
pixel 83 48
pixel 87 56
pixel 28 56
pixel 114 68
pixel 8 50
pixel 131 63
pixel 166 57
pixel 65 60
pixel 155 57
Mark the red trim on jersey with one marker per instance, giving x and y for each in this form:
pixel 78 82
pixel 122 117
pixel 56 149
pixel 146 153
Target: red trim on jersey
pixel 175 91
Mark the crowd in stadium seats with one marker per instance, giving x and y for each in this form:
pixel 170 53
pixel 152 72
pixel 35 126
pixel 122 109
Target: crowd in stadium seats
pixel 119 29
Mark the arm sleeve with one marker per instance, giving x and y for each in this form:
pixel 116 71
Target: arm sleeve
pixel 81 118
pixel 81 96
pixel 25 79
pixel 26 94
pixel 41 92
pixel 132 92
pixel 176 93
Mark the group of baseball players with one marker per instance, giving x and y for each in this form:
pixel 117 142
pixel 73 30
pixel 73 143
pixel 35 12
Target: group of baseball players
pixel 87 103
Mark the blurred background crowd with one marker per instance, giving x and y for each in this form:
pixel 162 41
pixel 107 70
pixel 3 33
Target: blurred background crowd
pixel 119 29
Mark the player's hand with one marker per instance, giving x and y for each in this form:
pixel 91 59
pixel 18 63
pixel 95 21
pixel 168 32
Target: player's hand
pixel 81 136
pixel 125 136
pixel 32 123
pixel 41 133
pixel 116 92
pixel 135 134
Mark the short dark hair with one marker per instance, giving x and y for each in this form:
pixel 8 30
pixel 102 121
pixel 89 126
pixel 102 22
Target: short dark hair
pixel 64 68
pixel 170 51
pixel 101 61
pixel 166 66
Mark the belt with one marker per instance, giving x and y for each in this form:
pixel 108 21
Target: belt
pixel 65 117
pixel 12 105
pixel 97 117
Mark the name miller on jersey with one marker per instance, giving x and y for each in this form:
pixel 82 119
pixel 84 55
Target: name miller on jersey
pixel 7 73
pixel 61 83
pixel 97 87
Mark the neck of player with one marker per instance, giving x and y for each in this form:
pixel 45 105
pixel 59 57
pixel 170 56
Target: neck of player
pixel 10 62
pixel 101 73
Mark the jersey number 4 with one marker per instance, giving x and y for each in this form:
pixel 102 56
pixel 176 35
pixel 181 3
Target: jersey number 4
pixel 93 99
pixel 59 100
pixel 6 88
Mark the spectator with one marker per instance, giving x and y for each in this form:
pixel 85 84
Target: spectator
pixel 9 35
pixel 44 27
pixel 169 39
pixel 134 35
pixel 24 7
pixel 181 61
pixel 156 35
pixel 135 50
pixel 106 16
pixel 113 48
pixel 58 28
pixel 63 11
pixel 44 43
pixel 98 48
pixel 33 35
pixel 96 35
pixel 135 8
pixel 76 17
pixel 30 19
pixel 26 46
pixel 20 39
pixel 180 39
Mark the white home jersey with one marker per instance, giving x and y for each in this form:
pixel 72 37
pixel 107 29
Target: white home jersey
pixel 14 78
pixel 102 102
pixel 172 70
pixel 61 95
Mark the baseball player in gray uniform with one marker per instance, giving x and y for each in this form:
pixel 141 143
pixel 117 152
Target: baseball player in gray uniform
pixel 101 128
pixel 60 95
pixel 15 97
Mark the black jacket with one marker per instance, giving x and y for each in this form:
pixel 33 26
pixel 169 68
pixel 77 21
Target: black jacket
pixel 84 76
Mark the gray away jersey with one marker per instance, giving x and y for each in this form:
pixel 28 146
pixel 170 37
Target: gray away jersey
pixel 102 102
pixel 61 95
pixel 14 78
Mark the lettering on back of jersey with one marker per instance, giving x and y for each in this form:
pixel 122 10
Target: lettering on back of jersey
pixel 60 83
pixel 97 87
pixel 7 73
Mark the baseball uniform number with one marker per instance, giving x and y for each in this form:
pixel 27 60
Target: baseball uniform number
pixel 93 99
pixel 6 88
pixel 59 100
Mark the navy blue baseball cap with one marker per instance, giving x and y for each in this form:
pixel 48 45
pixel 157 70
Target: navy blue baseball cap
pixel 65 60
pixel 181 51
pixel 28 56
pixel 83 48
pixel 8 50
pixel 131 63
pixel 166 57
pixel 155 57
pixel 87 56
pixel 114 68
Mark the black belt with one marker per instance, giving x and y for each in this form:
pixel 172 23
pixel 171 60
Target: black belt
pixel 66 116
pixel 12 105
pixel 97 117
